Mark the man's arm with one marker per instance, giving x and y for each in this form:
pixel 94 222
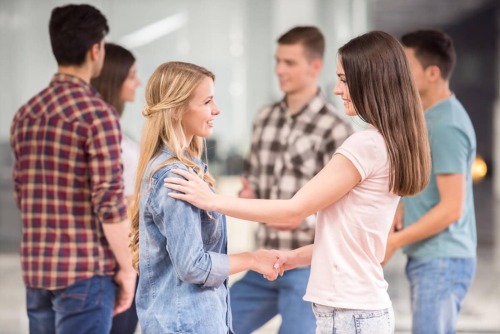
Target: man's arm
pixel 451 188
pixel 117 237
pixel 15 169
pixel 106 182
pixel 397 223
pixel 450 149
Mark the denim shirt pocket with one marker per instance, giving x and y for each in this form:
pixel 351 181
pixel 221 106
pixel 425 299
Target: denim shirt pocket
pixel 211 227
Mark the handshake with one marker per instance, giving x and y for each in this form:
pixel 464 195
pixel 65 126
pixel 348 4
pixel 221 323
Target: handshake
pixel 271 263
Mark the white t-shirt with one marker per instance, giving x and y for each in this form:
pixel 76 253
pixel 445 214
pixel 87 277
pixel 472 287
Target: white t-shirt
pixel 130 159
pixel 351 234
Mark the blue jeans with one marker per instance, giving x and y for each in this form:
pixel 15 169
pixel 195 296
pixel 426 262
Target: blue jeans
pixel 438 288
pixel 255 300
pixel 330 320
pixel 126 322
pixel 84 307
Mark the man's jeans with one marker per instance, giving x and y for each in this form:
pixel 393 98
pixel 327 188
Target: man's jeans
pixel 330 320
pixel 438 288
pixel 84 307
pixel 255 300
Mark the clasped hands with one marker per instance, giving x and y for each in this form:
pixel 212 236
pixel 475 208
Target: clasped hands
pixel 269 263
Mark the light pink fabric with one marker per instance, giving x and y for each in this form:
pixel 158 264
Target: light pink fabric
pixel 351 234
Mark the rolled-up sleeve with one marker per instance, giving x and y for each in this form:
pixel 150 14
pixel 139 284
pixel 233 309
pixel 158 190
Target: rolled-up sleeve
pixel 106 172
pixel 219 270
pixel 180 223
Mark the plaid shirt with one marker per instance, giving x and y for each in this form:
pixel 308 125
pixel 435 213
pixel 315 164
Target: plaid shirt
pixel 286 152
pixel 68 180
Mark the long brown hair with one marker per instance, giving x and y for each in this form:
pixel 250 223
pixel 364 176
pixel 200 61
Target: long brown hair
pixel 168 92
pixel 384 95
pixel 116 67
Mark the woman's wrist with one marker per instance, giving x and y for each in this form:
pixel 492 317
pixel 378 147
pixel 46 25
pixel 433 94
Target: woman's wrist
pixel 214 206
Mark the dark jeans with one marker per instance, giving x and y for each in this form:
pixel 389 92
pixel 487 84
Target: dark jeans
pixel 84 307
pixel 126 322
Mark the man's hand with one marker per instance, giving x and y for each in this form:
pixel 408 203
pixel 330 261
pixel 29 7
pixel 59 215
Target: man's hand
pixel 397 223
pixel 246 190
pixel 126 290
pixel 126 276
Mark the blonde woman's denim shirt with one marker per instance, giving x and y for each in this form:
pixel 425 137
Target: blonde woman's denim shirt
pixel 183 261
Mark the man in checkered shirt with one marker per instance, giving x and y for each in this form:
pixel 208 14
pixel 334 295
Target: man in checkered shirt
pixel 292 140
pixel 68 186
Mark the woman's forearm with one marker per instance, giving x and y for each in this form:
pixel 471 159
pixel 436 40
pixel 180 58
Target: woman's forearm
pixel 265 211
pixel 299 257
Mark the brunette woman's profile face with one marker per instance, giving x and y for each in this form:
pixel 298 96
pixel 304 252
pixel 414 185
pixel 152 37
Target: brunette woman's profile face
pixel 130 84
pixel 342 89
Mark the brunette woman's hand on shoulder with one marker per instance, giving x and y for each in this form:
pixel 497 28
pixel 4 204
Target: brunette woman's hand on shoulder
pixel 191 189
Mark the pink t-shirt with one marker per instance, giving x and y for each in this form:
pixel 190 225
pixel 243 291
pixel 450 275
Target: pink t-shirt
pixel 351 234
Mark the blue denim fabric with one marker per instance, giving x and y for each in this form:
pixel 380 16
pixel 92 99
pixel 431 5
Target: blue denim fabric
pixel 183 262
pixel 84 307
pixel 438 288
pixel 330 320
pixel 255 300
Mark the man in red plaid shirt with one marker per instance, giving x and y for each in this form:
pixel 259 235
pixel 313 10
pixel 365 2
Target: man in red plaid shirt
pixel 68 186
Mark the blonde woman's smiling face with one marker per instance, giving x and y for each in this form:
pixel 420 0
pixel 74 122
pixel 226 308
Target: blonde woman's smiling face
pixel 202 110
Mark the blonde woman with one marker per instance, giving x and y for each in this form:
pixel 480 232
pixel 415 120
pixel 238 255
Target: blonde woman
pixel 355 195
pixel 179 250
